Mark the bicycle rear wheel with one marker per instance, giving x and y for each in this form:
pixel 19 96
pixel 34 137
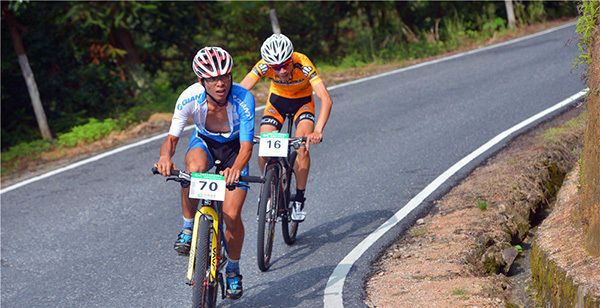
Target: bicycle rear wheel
pixel 267 218
pixel 204 292
pixel 289 228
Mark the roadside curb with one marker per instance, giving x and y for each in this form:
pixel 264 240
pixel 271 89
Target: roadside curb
pixel 563 274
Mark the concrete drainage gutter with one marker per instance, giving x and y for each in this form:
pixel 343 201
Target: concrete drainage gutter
pixel 563 273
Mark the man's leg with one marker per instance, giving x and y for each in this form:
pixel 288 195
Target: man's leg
pixel 234 235
pixel 301 168
pixel 196 160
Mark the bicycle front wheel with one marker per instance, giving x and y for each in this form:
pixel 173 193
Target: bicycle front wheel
pixel 204 291
pixel 267 217
pixel 289 228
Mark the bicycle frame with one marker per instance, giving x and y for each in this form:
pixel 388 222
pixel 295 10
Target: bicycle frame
pixel 286 164
pixel 209 211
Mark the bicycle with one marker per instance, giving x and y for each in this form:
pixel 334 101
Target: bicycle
pixel 275 200
pixel 208 241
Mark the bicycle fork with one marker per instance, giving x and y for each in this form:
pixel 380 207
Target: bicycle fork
pixel 214 243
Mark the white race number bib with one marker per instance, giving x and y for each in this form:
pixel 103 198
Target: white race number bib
pixel 273 145
pixel 207 186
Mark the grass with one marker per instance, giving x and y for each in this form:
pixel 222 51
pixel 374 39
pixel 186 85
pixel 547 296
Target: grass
pixel 418 231
pixel 589 10
pixel 460 293
pixel 481 204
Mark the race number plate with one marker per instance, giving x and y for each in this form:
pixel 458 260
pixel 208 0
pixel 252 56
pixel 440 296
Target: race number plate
pixel 273 145
pixel 207 186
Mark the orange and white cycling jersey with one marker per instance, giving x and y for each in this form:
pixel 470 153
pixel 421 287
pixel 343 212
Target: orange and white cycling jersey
pixel 304 75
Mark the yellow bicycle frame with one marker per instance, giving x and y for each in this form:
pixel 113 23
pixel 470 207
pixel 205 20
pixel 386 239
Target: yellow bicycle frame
pixel 207 211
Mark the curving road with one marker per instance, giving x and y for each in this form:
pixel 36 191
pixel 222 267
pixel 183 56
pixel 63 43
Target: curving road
pixel 101 235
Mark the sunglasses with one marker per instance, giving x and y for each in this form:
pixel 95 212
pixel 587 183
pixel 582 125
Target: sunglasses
pixel 280 66
pixel 223 78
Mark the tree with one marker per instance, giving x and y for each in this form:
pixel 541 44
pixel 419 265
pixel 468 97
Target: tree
pixel 510 13
pixel 32 88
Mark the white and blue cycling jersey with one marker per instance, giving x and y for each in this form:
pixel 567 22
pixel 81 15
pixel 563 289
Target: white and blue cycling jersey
pixel 240 113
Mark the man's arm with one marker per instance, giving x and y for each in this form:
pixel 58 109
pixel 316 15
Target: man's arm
pixel 167 150
pixel 249 81
pixel 233 174
pixel 326 104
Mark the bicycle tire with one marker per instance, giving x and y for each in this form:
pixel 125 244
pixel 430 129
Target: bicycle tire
pixel 204 294
pixel 267 218
pixel 289 228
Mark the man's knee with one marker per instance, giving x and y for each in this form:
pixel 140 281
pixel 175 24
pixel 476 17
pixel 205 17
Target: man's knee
pixel 197 166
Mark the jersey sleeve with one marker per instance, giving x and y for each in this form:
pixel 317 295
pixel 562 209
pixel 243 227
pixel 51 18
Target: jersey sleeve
pixel 310 70
pixel 182 112
pixel 260 70
pixel 246 113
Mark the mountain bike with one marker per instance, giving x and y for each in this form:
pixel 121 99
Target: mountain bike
pixel 275 201
pixel 208 250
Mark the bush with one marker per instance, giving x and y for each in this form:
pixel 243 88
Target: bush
pixel 92 131
pixel 25 149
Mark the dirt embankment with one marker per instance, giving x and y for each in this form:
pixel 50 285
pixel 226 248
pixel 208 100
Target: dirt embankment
pixel 565 259
pixel 463 252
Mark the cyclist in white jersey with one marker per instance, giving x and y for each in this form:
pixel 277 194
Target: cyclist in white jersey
pixel 223 113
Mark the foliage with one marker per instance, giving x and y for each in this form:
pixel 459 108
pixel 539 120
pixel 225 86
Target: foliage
pixel 91 131
pixel 519 248
pixel 125 59
pixel 589 11
pixel 25 149
pixel 529 12
pixel 481 204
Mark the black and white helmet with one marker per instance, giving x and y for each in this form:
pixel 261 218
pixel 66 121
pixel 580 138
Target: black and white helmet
pixel 212 62
pixel 276 49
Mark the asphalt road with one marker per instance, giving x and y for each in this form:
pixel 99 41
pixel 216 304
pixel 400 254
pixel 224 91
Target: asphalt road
pixel 102 234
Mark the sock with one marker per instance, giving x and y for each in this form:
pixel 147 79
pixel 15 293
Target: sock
pixel 300 194
pixel 188 223
pixel 233 266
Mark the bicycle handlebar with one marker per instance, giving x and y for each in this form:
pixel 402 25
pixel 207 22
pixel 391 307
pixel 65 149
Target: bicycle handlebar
pixel 187 176
pixel 295 142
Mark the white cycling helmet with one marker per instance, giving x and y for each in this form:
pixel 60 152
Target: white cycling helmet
pixel 276 49
pixel 212 62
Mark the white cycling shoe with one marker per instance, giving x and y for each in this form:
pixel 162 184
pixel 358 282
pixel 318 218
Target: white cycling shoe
pixel 298 215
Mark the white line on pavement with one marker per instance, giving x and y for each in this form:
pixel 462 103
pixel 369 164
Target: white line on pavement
pixel 335 284
pixel 93 158
pixel 117 150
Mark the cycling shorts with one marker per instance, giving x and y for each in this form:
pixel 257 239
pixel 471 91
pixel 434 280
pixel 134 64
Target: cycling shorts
pixel 277 106
pixel 226 152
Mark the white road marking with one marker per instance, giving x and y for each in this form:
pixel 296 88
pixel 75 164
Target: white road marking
pixel 462 54
pixel 335 284
pixel 94 158
pixel 121 149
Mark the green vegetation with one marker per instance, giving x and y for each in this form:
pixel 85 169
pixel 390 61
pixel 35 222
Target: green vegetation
pixel 481 204
pixel 92 131
pixel 519 248
pixel 460 293
pixel 418 231
pixel 587 21
pixel 126 60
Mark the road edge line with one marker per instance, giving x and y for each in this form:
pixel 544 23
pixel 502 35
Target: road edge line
pixel 333 293
pixel 126 147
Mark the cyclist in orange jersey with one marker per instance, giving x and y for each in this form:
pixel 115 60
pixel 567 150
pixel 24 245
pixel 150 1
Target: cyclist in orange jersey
pixel 293 79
